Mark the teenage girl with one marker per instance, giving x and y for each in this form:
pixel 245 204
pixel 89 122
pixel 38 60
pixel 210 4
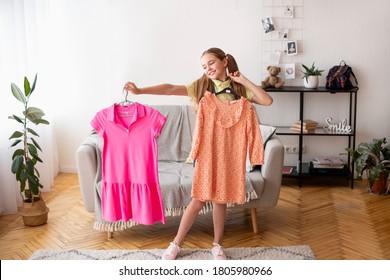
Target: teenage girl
pixel 220 72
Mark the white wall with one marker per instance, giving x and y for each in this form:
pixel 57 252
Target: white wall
pixel 355 31
pixel 97 46
pixel 94 47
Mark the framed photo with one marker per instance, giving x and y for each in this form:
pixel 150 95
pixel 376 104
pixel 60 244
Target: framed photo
pixel 292 47
pixel 268 25
pixel 289 11
pixel 283 33
pixel 289 71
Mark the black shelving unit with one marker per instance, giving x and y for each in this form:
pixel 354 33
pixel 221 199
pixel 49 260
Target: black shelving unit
pixel 300 174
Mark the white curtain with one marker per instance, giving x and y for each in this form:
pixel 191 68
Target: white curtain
pixel 23 37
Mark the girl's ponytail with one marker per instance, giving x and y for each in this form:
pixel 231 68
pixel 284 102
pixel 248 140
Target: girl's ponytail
pixel 233 67
pixel 232 64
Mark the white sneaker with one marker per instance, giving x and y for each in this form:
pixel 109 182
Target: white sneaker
pixel 218 252
pixel 171 252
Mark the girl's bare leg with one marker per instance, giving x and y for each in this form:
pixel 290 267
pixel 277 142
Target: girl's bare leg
pixel 188 220
pixel 219 214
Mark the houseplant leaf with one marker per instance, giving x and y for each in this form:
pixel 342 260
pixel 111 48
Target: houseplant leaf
pixel 38 121
pixel 33 113
pixel 32 132
pixel 18 152
pixel 18 93
pixel 16 164
pixel 30 167
pixel 16 134
pixel 34 83
pixel 36 144
pixel 32 149
pixel 18 119
pixel 26 87
pixel 16 142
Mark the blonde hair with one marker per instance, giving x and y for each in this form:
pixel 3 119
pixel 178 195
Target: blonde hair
pixel 204 83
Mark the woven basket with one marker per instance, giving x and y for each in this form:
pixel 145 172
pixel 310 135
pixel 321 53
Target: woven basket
pixel 34 214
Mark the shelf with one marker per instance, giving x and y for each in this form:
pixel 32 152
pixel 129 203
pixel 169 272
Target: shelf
pixel 303 89
pixel 329 171
pixel 296 174
pixel 319 131
pixel 321 172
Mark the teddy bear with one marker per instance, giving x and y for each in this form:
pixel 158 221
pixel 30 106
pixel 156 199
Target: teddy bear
pixel 273 80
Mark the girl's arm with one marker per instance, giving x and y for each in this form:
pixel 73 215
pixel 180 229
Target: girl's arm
pixel 163 89
pixel 260 96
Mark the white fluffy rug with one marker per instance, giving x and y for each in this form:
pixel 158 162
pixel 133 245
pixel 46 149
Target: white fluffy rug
pixel 301 252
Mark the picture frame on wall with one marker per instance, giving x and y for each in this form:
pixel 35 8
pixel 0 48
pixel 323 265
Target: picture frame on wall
pixel 268 25
pixel 289 71
pixel 292 47
pixel 288 11
pixel 283 33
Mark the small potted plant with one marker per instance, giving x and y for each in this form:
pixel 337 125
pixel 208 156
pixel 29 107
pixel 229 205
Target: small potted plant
pixel 374 159
pixel 25 157
pixel 310 76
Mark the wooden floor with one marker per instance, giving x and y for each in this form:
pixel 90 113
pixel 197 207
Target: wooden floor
pixel 337 222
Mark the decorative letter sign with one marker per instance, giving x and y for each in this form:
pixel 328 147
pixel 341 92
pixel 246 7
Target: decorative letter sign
pixel 341 127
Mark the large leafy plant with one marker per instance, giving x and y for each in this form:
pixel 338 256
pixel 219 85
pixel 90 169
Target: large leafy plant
pixel 26 155
pixel 373 157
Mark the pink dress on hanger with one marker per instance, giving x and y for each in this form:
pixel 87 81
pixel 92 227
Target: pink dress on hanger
pixel 130 184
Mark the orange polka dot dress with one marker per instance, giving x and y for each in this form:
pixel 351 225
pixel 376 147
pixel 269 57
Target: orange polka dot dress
pixel 224 131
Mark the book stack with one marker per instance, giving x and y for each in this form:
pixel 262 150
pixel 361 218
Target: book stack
pixel 307 126
pixel 328 162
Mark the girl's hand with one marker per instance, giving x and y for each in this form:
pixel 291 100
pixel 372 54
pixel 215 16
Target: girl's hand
pixel 237 77
pixel 260 96
pixel 130 86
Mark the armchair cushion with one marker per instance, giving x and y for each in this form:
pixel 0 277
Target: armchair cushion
pixel 267 131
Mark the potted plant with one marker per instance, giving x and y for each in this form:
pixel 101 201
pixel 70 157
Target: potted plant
pixel 310 76
pixel 374 159
pixel 25 157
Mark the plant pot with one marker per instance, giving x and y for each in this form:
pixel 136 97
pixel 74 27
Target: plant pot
pixel 34 213
pixel 311 82
pixel 380 185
